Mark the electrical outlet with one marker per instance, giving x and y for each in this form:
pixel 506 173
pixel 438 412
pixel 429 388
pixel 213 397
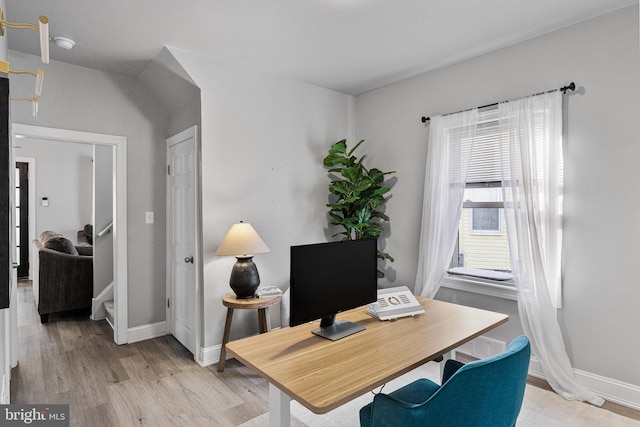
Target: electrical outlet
pixel 149 217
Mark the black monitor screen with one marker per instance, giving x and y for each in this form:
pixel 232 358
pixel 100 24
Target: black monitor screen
pixel 327 278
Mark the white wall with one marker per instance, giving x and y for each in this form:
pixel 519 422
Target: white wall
pixel 602 240
pixel 263 140
pixel 64 174
pixel 169 82
pixel 83 99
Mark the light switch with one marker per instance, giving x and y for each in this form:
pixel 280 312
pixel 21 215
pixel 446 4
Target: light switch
pixel 149 217
pixel 45 201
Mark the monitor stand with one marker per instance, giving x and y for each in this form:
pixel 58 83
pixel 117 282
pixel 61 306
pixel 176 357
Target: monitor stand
pixel 338 329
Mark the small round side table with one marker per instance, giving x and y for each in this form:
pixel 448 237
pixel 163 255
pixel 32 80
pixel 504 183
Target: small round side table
pixel 232 303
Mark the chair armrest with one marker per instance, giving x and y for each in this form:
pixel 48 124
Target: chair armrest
pixel 450 368
pixel 85 250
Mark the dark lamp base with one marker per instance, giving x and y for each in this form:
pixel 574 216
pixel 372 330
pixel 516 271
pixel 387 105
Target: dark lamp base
pixel 244 278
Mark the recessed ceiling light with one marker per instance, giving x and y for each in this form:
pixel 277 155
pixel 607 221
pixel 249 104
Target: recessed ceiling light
pixel 64 42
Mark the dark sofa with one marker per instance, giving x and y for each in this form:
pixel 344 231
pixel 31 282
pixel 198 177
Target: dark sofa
pixel 64 278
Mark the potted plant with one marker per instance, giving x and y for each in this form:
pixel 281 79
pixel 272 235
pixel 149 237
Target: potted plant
pixel 358 195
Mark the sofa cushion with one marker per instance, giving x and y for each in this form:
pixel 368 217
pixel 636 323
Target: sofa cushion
pixel 61 244
pixel 88 231
pixel 46 235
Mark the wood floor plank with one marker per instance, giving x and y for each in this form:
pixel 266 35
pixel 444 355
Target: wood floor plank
pixel 103 415
pixel 177 353
pixel 134 404
pixel 28 342
pixel 60 376
pixel 27 382
pixel 138 369
pixel 162 365
pixel 70 334
pixel 181 395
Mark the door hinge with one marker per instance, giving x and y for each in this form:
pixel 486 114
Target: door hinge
pixel 168 302
pixel 168 169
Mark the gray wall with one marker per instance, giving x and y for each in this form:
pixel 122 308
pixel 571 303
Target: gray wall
pixel 64 174
pixel 263 140
pixel 83 99
pixel 602 239
pixel 178 93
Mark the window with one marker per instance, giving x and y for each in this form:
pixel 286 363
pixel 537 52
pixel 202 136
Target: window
pixel 515 149
pixel 482 237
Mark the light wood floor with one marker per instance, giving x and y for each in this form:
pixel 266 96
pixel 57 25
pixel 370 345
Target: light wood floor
pixel 156 382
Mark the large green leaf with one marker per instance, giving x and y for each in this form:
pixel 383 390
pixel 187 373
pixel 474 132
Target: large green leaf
pixel 339 147
pixel 357 196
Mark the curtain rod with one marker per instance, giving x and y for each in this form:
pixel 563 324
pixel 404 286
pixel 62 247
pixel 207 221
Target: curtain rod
pixel 571 86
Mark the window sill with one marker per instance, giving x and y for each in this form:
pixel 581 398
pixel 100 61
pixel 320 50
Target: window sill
pixel 499 289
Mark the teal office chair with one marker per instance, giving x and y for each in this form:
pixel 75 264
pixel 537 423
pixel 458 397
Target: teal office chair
pixel 481 393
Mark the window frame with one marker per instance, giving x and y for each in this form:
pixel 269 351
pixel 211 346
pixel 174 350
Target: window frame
pixel 505 289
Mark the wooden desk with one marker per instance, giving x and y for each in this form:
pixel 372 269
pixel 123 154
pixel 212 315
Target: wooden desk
pixel 232 303
pixel 323 374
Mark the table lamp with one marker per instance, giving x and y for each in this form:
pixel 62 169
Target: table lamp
pixel 243 242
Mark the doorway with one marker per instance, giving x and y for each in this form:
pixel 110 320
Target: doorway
pixel 22 218
pixel 119 230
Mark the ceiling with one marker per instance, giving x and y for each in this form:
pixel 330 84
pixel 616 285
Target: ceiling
pixel 351 46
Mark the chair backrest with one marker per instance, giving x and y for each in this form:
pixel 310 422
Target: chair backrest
pixel 486 392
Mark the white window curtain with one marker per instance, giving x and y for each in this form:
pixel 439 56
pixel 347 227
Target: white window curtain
pixel 531 146
pixel 450 143
pixel 532 167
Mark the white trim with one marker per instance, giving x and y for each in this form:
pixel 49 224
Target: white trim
pixel 480 286
pixel 97 304
pixel 120 208
pixel 146 332
pixel 4 396
pixel 609 389
pixel 191 132
pixel 209 356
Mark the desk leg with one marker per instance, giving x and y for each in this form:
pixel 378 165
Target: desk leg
pixel 279 408
pixel 225 340
pixel 446 356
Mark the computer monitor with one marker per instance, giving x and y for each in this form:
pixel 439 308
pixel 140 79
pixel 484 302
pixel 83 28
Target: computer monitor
pixel 327 278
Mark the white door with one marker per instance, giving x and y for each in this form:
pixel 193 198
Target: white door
pixel 182 254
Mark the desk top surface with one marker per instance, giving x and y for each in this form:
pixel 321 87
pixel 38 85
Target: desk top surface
pixel 323 374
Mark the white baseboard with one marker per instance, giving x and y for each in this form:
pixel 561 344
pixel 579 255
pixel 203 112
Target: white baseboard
pixel 609 389
pixel 97 310
pixel 4 396
pixel 209 355
pixel 145 332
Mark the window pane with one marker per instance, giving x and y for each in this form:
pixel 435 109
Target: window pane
pixel 485 219
pixel 483 194
pixel 482 238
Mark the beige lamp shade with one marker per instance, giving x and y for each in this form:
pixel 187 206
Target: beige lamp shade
pixel 242 240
